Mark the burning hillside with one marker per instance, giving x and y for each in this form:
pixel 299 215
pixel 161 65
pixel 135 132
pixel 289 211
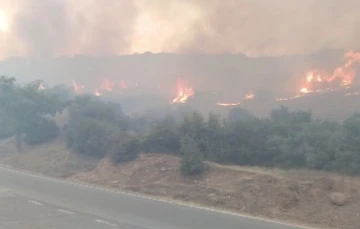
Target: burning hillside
pixel 319 81
pixel 235 80
pixel 313 81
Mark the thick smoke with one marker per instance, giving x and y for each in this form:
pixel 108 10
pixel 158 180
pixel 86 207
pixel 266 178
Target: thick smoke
pixel 65 27
pixel 254 27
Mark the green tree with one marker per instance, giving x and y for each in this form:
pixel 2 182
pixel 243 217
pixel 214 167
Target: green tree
pixel 348 158
pixel 26 105
pixel 192 162
pixel 215 140
pixel 42 131
pixel 63 92
pixel 87 106
pixel 240 114
pixel 97 128
pixel 163 137
pixel 89 136
pixel 123 147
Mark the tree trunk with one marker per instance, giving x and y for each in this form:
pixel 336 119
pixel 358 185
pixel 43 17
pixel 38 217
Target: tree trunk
pixel 18 141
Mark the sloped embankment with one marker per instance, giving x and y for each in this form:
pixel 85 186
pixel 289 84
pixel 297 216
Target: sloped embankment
pixel 305 197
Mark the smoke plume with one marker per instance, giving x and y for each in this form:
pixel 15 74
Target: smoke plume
pixel 253 27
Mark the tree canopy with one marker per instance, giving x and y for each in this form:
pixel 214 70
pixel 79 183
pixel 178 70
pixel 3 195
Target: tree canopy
pixel 26 107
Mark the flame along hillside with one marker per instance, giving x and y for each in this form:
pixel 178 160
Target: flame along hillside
pixel 313 81
pixel 311 89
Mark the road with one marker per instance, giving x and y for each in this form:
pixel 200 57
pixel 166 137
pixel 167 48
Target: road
pixel 18 212
pixel 100 208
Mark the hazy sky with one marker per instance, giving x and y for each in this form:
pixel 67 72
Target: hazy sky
pixel 254 27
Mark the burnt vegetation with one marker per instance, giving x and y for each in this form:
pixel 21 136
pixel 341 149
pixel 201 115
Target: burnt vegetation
pixel 287 139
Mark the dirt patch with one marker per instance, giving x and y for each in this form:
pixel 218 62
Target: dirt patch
pixel 294 195
pixel 53 159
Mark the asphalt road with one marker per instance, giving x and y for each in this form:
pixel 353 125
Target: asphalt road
pixel 118 210
pixel 18 212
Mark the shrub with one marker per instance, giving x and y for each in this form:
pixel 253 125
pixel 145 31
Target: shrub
pixel 191 166
pixel 89 137
pixel 125 150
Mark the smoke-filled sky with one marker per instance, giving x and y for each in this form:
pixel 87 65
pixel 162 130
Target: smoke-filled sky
pixel 253 27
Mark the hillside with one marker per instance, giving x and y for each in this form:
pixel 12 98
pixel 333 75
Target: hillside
pixel 297 196
pixel 149 81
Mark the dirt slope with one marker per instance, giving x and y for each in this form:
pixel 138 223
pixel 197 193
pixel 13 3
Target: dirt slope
pixel 52 159
pixel 295 196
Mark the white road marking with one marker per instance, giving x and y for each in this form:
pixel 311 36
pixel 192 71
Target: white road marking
pixel 148 197
pixel 107 223
pixel 66 212
pixel 35 202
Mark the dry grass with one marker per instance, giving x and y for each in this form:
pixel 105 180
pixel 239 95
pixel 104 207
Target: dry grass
pixel 53 158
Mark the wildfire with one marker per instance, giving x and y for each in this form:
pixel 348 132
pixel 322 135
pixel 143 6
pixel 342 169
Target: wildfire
pixel 184 92
pixel 107 85
pixel 249 96
pixel 342 76
pixel 97 92
pixel 77 87
pixel 285 99
pixel 318 81
pixel 305 90
pixel 313 81
pixel 228 104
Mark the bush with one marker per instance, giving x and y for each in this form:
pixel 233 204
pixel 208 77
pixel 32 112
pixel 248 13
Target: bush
pixel 162 138
pixel 192 162
pixel 89 137
pixel 40 132
pixel 191 165
pixel 126 150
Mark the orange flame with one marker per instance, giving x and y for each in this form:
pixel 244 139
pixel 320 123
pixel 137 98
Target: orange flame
pixel 77 88
pixel 344 74
pixel 184 92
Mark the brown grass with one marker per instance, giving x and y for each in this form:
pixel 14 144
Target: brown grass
pixel 53 158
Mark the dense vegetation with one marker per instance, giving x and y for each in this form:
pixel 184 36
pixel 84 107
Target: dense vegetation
pixel 26 110
pixel 291 139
